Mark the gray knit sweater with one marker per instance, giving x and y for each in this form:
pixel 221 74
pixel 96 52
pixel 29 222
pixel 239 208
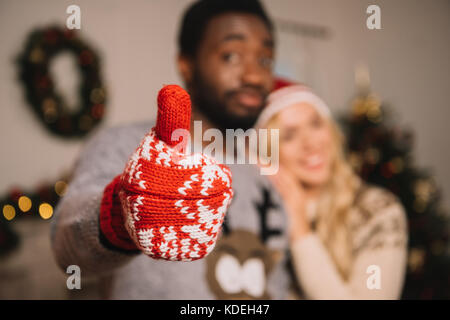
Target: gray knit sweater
pixel 247 262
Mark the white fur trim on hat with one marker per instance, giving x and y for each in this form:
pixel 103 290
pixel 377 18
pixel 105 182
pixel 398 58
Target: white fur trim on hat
pixel 288 96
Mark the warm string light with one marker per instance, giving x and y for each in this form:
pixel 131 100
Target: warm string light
pixel 24 203
pixel 60 188
pixel 423 190
pixel 9 212
pixel 368 106
pixel 45 211
pixel 416 259
pixel 367 103
pixel 18 202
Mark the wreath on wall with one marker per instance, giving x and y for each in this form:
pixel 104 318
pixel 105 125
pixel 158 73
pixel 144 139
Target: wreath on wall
pixel 47 103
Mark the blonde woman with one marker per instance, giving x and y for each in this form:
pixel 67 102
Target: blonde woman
pixel 348 240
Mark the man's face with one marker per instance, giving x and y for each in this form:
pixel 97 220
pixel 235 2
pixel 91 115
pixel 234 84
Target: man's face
pixel 232 70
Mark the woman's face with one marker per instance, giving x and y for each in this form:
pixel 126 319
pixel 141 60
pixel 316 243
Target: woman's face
pixel 305 144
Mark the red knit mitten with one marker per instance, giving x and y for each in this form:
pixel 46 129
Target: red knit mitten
pixel 173 204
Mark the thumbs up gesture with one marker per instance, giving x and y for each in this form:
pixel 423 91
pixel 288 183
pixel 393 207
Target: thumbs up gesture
pixel 166 203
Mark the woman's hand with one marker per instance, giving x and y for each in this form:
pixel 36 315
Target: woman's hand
pixel 294 201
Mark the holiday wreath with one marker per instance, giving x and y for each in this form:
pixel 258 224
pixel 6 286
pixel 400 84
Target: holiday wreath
pixel 41 47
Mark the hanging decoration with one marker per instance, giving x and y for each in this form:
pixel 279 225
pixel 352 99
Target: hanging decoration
pixel 47 103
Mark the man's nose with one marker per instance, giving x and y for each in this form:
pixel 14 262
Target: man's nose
pixel 253 73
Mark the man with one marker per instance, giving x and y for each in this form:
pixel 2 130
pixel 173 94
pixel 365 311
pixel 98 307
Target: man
pixel 228 67
pixel 226 53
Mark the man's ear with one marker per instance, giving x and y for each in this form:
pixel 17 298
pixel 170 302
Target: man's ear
pixel 185 68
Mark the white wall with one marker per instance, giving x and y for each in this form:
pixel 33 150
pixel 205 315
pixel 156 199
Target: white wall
pixel 408 59
pixel 137 43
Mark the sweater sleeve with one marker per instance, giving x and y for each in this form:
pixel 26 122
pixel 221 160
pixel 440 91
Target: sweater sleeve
pixel 379 253
pixel 75 232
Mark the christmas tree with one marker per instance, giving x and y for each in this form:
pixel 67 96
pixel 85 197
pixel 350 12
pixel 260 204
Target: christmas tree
pixel 381 153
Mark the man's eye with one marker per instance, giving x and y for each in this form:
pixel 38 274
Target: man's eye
pixel 266 62
pixel 231 57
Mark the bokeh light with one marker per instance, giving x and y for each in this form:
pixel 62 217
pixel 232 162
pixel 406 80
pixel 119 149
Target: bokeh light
pixel 9 212
pixel 45 211
pixel 24 203
pixel 60 188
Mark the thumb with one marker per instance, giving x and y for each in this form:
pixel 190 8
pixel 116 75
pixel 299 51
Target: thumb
pixel 174 112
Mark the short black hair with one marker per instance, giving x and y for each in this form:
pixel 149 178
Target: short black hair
pixel 197 16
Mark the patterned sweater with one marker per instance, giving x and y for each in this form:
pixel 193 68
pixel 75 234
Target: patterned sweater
pixel 249 259
pixel 247 262
pixel 378 231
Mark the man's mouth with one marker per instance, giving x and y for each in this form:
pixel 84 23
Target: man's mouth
pixel 249 98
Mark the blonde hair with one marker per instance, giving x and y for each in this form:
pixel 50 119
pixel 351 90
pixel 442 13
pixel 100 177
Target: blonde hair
pixel 335 202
